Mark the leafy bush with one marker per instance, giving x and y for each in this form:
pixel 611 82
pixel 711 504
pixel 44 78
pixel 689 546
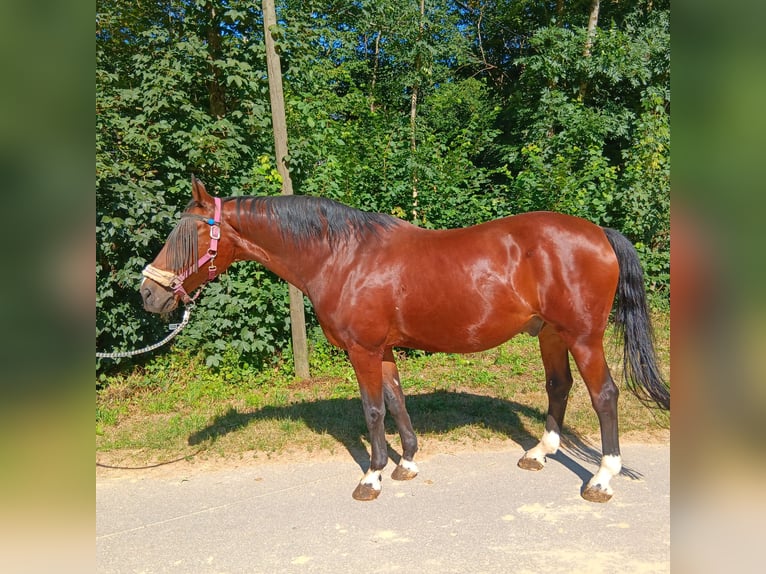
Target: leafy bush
pixel 511 117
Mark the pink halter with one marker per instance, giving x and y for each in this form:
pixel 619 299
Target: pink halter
pixel 212 251
pixel 176 282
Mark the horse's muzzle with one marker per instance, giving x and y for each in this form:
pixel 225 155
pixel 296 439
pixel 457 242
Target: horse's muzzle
pixel 157 299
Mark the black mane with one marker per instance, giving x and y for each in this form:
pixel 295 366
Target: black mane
pixel 182 244
pixel 303 218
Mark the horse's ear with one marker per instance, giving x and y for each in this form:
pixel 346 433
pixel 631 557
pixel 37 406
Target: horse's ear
pixel 199 193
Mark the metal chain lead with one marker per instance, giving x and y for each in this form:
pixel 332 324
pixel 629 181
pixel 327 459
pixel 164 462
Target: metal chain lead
pixel 122 354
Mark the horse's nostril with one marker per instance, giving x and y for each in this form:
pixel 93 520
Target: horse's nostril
pixel 146 294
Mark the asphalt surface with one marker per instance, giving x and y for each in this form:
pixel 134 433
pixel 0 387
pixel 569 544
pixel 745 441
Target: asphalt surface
pixel 466 512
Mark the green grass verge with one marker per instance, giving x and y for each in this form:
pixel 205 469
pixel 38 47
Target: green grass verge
pixel 176 407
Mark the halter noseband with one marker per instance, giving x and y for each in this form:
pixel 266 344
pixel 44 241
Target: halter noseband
pixel 176 282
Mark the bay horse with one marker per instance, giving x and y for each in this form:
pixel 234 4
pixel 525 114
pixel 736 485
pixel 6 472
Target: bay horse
pixel 377 282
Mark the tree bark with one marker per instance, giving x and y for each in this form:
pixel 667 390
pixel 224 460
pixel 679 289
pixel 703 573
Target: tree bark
pixel 592 24
pixel 591 33
pixel 414 111
pixel 215 88
pixel 376 63
pixel 279 122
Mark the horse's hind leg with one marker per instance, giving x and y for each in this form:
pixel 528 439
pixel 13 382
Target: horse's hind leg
pixel 558 382
pixel 589 356
pixel 392 391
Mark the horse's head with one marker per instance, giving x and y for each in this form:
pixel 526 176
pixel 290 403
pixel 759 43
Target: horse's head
pixel 194 253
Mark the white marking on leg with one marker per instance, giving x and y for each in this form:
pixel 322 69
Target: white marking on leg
pixel 549 444
pixel 611 465
pixel 396 381
pixel 551 441
pixel 372 479
pixel 408 465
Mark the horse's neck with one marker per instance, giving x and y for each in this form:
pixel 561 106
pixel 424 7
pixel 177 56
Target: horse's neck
pixel 294 261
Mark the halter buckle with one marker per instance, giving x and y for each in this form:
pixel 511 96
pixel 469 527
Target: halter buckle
pixel 212 269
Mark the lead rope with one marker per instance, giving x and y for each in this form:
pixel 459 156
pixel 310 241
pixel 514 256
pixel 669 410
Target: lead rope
pixel 176 330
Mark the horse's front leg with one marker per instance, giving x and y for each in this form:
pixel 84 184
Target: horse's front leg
pixel 394 396
pixel 369 374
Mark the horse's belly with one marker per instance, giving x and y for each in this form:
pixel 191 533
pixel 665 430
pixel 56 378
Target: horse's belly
pixel 447 333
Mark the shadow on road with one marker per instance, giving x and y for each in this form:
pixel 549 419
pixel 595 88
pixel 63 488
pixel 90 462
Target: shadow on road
pixel 431 413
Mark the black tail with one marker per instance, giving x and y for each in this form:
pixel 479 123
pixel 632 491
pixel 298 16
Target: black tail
pixel 641 373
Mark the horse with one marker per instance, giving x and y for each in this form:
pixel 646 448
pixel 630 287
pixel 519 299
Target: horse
pixel 377 282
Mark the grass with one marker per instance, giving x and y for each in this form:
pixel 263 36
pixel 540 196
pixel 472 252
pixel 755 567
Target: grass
pixel 175 407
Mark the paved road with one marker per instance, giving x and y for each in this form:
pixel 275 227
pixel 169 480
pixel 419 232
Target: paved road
pixel 467 512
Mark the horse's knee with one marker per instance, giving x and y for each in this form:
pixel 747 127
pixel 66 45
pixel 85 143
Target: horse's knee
pixel 374 416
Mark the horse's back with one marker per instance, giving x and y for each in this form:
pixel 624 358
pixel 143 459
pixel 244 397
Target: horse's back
pixel 473 288
pixel 505 245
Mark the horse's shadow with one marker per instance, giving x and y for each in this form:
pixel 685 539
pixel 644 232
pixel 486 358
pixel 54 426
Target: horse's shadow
pixel 432 413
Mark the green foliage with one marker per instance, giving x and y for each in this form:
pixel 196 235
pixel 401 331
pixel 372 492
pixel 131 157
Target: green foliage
pixel 511 117
pixel 245 313
pixel 175 98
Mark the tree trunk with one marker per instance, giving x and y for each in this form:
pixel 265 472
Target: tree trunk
pixel 376 63
pixel 413 149
pixel 592 24
pixel 414 111
pixel 215 88
pixel 274 68
pixel 591 33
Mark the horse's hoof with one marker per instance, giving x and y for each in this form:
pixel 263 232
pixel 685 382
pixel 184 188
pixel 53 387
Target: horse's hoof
pixel 365 492
pixel 528 463
pixel 596 494
pixel 401 473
